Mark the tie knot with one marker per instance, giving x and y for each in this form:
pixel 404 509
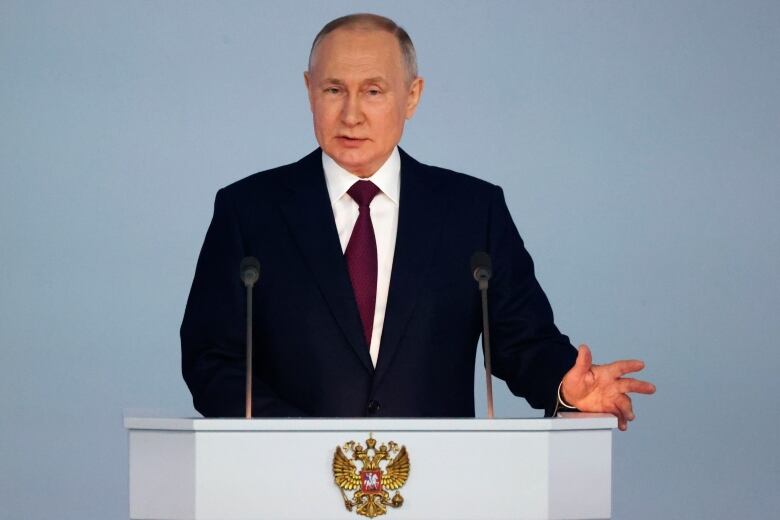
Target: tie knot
pixel 363 192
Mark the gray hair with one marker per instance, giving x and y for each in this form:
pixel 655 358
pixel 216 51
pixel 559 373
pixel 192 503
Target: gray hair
pixel 376 22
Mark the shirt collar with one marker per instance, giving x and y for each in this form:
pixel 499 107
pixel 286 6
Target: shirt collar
pixel 387 178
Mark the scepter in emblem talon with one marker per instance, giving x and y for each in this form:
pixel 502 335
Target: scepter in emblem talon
pixel 482 269
pixel 250 273
pixel 347 502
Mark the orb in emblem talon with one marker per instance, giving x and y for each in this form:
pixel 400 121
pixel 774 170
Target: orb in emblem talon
pixel 384 468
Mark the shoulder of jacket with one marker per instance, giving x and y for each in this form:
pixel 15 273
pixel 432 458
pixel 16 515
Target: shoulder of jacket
pixel 260 181
pixel 453 181
pixel 264 185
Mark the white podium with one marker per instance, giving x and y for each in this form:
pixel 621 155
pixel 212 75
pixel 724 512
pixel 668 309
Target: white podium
pixel 231 469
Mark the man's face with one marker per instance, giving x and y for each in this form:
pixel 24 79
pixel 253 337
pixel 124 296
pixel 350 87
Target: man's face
pixel 360 97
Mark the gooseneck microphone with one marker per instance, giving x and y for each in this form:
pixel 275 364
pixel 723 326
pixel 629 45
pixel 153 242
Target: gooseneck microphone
pixel 250 274
pixel 250 271
pixel 482 270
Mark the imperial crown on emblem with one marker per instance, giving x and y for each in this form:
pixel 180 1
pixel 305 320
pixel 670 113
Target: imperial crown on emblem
pixel 371 485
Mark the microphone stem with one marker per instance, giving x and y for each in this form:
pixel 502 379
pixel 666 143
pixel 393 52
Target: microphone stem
pixel 248 351
pixel 483 286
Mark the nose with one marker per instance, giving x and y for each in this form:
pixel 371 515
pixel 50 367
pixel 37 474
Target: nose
pixel 351 113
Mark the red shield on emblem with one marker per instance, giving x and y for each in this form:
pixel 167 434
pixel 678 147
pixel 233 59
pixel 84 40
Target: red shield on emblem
pixel 371 481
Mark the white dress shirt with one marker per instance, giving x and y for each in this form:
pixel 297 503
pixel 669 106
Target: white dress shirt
pixel 384 218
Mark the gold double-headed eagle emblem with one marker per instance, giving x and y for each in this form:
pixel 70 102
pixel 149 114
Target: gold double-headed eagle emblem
pixel 371 485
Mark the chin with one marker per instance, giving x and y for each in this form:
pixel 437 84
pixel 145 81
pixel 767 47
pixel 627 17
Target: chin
pixel 351 160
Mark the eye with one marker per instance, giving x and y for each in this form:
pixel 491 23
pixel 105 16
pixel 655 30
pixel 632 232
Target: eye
pixel 332 90
pixel 374 92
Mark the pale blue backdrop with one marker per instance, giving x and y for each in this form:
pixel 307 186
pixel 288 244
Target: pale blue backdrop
pixel 637 142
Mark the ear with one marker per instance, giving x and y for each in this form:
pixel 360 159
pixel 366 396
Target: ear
pixel 307 82
pixel 413 96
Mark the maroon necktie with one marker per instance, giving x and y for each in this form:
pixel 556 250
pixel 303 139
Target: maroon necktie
pixel 361 256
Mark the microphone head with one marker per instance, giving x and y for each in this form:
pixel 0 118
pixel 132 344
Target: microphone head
pixel 250 270
pixel 481 266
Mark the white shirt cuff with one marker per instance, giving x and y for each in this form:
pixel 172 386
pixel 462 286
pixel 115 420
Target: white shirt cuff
pixel 561 402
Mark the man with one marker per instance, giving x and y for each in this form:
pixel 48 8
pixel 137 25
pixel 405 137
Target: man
pixel 366 305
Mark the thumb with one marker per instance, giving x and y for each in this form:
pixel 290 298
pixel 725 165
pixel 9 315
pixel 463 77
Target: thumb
pixel 584 360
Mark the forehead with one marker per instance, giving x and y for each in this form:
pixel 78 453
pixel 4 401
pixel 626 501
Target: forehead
pixel 352 53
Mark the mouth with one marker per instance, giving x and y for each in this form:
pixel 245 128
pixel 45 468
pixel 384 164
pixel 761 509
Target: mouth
pixel 350 141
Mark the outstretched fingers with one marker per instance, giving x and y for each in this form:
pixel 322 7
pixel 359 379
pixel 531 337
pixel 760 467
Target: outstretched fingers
pixel 626 366
pixel 629 384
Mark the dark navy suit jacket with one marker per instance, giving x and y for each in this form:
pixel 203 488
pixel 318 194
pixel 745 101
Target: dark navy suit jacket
pixel 310 356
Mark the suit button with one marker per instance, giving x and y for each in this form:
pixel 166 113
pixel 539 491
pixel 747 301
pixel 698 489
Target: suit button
pixel 373 407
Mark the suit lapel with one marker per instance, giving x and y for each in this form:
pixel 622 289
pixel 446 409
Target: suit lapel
pixel 419 227
pixel 310 217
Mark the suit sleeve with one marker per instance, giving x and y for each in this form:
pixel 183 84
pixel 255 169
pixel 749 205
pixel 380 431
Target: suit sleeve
pixel 213 331
pixel 528 350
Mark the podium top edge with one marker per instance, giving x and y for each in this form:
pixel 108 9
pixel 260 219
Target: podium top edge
pixel 568 421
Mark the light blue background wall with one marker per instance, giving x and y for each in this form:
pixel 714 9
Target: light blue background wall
pixel 637 142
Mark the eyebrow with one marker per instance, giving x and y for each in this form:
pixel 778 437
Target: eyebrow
pixel 335 81
pixel 377 79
